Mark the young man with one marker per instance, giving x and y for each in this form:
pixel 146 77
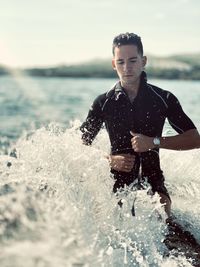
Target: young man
pixel 134 113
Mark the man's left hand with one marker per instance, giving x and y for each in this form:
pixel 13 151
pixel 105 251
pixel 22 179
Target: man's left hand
pixel 141 143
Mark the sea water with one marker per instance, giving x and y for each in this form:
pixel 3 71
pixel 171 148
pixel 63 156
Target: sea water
pixel 56 201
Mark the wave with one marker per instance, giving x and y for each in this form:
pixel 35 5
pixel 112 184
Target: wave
pixel 57 206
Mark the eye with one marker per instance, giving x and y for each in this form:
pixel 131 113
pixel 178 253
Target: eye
pixel 120 62
pixel 133 61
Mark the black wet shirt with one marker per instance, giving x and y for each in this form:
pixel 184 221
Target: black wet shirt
pixel 145 115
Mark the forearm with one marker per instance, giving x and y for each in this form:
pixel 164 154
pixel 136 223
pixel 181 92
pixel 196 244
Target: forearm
pixel 185 141
pixel 89 130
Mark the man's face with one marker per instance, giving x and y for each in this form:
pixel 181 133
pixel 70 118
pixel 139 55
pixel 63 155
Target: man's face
pixel 128 64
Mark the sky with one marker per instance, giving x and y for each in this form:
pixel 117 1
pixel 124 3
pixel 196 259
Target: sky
pixel 53 32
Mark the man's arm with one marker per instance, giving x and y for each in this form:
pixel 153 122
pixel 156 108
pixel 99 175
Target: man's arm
pixel 93 123
pixel 91 127
pixel 187 138
pixel 185 141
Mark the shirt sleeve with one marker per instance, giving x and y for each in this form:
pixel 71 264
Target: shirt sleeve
pixel 93 122
pixel 177 118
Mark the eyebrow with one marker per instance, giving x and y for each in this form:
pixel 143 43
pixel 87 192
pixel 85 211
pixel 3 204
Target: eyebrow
pixel 129 58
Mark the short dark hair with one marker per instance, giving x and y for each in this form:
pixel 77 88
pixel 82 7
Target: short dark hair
pixel 128 39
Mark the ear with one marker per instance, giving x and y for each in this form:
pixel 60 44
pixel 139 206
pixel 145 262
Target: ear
pixel 113 64
pixel 144 61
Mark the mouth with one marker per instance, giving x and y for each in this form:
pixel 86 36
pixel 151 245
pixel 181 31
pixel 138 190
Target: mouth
pixel 128 75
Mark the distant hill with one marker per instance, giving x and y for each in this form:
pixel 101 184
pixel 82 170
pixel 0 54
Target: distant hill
pixel 4 70
pixel 193 59
pixel 183 66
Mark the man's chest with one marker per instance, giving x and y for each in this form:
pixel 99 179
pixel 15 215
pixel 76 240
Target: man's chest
pixel 145 115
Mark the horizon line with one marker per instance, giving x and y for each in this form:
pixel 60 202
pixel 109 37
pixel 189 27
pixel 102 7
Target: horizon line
pixel 87 61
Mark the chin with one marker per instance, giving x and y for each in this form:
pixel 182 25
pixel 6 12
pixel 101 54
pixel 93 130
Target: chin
pixel 129 81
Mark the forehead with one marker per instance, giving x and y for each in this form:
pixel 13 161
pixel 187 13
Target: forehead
pixel 125 51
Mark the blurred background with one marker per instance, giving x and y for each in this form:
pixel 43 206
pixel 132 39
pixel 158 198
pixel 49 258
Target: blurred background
pixel 55 56
pixel 49 32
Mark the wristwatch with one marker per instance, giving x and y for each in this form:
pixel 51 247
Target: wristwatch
pixel 156 142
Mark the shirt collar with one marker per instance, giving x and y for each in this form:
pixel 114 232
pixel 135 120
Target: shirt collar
pixel 119 91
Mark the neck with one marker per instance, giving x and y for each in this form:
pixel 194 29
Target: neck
pixel 132 88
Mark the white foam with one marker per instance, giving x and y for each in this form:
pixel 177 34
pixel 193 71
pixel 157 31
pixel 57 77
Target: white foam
pixel 59 209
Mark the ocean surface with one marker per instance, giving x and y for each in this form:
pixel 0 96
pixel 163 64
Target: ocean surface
pixel 56 201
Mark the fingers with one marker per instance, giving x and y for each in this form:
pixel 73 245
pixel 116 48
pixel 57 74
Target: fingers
pixel 128 157
pixel 128 162
pixel 136 138
pixel 133 134
pixel 126 168
pixel 135 141
pixel 122 162
pixel 141 143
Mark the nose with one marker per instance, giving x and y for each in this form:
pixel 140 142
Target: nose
pixel 127 67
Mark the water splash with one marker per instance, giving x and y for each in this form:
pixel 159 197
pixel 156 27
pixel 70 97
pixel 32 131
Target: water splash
pixel 57 207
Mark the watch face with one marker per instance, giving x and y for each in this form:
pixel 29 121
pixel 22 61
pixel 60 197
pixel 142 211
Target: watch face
pixel 156 141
